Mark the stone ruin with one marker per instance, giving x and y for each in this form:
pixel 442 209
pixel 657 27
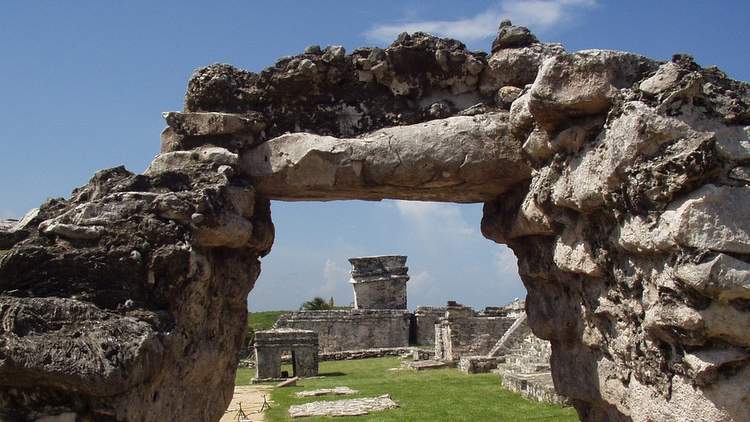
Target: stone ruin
pixel 464 332
pixel 379 318
pixel 620 183
pixel 379 282
pixel 270 345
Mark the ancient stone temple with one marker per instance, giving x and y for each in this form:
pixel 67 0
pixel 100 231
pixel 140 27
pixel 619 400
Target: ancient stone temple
pixel 621 183
pixel 379 282
pixel 379 318
pixel 270 345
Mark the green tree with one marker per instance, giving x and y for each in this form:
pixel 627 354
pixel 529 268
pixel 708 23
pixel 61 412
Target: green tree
pixel 316 304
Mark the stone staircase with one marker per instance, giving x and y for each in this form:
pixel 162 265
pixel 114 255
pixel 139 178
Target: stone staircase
pixel 524 363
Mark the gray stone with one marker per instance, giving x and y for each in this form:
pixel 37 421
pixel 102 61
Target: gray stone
pixel 458 159
pixel 511 36
pixel 349 407
pixel 336 391
pixel 379 282
pixel 583 84
pixel 270 344
pixel 723 277
pixel 211 123
pixel 666 77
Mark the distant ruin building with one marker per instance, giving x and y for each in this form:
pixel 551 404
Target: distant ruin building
pixel 464 332
pixel 300 345
pixel 379 318
pixel 379 282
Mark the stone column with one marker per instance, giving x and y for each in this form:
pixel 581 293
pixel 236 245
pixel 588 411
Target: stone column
pixel 267 362
pixel 306 361
pixel 379 282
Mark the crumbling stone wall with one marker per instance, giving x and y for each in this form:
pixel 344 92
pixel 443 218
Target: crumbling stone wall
pixel 425 318
pixel 352 329
pixel 462 332
pixel 620 183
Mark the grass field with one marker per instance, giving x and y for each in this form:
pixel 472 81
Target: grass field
pixel 263 320
pixel 434 395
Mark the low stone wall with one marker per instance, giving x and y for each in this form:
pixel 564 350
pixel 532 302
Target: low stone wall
pixel 476 364
pixel 377 353
pixel 469 336
pixel 538 387
pixel 354 329
pixel 425 318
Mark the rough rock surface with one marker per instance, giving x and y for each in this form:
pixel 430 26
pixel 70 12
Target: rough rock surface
pixel 633 240
pixel 127 301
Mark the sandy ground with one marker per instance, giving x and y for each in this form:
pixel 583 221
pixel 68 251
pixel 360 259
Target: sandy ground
pixel 251 397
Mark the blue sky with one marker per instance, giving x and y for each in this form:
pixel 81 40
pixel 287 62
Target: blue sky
pixel 83 85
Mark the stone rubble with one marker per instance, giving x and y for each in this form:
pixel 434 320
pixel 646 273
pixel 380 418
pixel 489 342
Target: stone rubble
pixel 349 407
pixel 336 391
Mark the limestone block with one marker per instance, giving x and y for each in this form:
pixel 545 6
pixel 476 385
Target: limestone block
pixel 665 78
pixel 212 123
pixel 179 160
pixel 583 83
pixel 723 277
pixel 461 159
pixel 573 254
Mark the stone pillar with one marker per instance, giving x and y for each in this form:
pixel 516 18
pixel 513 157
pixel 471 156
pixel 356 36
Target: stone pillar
pixel 267 362
pixel 379 282
pixel 306 361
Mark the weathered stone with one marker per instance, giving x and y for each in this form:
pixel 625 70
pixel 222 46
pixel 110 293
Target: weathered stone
pixel 665 78
pixel 511 36
pixel 379 282
pixel 515 67
pixel 460 159
pixel 336 391
pixel 354 329
pixel 711 218
pixel 349 407
pixel 204 124
pixel 723 277
pixel 476 364
pixel 583 84
pixel 270 344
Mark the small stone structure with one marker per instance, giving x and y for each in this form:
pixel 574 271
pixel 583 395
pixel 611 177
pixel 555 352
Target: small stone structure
pixel 379 282
pixel 271 344
pixel 477 364
pixel 425 318
pixel 464 332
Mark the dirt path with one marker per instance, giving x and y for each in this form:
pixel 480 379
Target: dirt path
pixel 251 397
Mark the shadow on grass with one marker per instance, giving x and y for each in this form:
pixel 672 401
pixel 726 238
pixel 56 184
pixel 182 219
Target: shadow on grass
pixel 331 374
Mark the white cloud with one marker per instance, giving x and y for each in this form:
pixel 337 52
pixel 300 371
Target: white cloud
pixel 434 217
pixel 506 263
pixel 537 14
pixel 420 280
pixel 334 276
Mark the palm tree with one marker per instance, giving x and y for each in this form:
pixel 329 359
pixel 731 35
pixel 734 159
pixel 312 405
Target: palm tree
pixel 316 304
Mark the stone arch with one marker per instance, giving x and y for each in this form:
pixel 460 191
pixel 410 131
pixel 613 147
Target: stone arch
pixel 617 180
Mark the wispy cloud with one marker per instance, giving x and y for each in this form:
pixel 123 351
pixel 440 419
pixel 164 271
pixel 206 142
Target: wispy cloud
pixel 506 263
pixel 435 217
pixel 537 14
pixel 334 276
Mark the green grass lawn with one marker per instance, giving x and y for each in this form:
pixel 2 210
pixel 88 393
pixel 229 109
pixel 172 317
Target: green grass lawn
pixel 263 320
pixel 433 395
